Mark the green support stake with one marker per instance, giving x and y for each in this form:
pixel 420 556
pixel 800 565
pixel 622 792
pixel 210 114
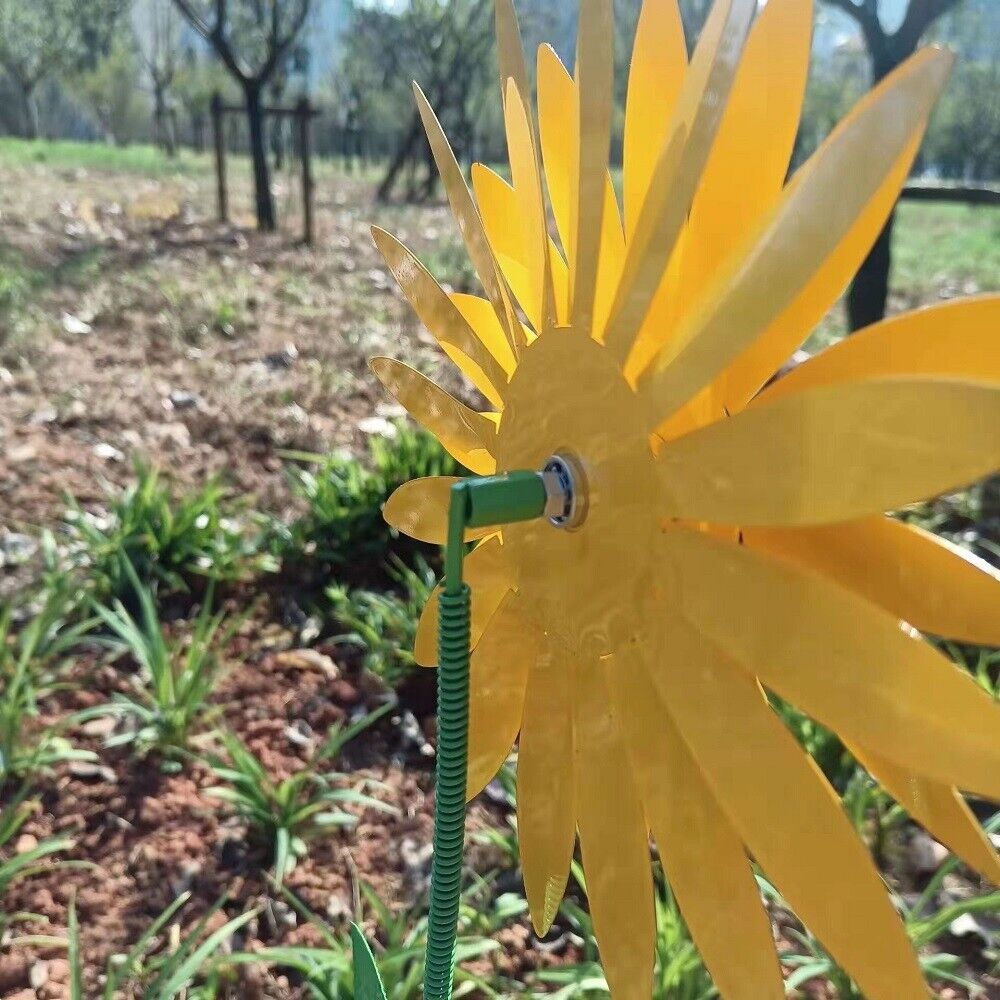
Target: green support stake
pixel 490 500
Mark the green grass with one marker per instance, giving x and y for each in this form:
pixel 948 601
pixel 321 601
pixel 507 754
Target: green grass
pixel 66 154
pixel 938 244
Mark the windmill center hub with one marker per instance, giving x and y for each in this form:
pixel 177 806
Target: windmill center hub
pixel 568 409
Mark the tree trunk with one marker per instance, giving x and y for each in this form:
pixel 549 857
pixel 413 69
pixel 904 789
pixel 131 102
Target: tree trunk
pixel 402 156
pixel 263 198
pixel 30 110
pixel 869 291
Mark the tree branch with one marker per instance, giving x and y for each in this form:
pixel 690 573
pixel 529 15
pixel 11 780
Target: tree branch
pixel 920 15
pixel 194 18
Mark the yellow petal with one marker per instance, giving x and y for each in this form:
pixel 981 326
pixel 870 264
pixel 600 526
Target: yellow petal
pixel 465 434
pixel 557 113
pixel 469 223
pixel 787 814
pixel 437 312
pixel 557 126
pixel 546 817
pixel 835 452
pixel 938 807
pixel 818 208
pixel 957 339
pixel 480 316
pixel 841 659
pixel 675 178
pixel 525 171
pixel 419 509
pixel 488 575
pixel 927 581
pixel 510 51
pixel 656 73
pixel 525 159
pixel 498 674
pixel 746 170
pixel 595 100
pixel 613 841
pixel 702 855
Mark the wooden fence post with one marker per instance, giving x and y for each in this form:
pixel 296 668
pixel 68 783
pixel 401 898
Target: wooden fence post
pixel 303 117
pixel 218 136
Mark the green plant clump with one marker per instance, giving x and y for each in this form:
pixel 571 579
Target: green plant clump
pixel 184 969
pixel 168 541
pixel 23 864
pixel 30 661
pixel 175 679
pixel 384 625
pixel 399 953
pixel 284 816
pixel 342 525
pixel 925 924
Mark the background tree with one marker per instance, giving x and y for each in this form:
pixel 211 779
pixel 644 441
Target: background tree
pixel 114 94
pixel 157 31
pixel 199 77
pixel 252 38
pixel 963 142
pixel 43 38
pixel 445 47
pixel 869 291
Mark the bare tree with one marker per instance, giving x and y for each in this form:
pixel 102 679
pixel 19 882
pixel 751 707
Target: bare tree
pixel 158 39
pixel 252 38
pixel 446 48
pixel 42 38
pixel 866 300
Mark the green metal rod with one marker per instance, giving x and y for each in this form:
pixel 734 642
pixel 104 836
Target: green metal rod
pixel 517 496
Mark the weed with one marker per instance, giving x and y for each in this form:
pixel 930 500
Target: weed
pixel 924 925
pixel 399 953
pixel 167 541
pixel 23 864
pixel 873 812
pixel 384 625
pixel 161 975
pixel 679 973
pixel 450 264
pixel 29 662
pixel 283 816
pixel 819 742
pixel 342 525
pixel 175 679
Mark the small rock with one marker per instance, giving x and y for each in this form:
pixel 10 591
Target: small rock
pixel 87 771
pixel 26 842
pixel 16 548
pixel 39 975
pixel 966 925
pixel 307 659
pixel 181 399
pixel 378 426
pixel 108 452
pixel 59 971
pixel 284 358
pixel 75 326
pixel 299 733
pixel 44 415
pixel 338 908
pixel 103 726
pixel 172 435
pixel 925 853
pixel 411 735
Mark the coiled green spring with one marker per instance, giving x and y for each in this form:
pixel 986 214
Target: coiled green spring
pixel 449 807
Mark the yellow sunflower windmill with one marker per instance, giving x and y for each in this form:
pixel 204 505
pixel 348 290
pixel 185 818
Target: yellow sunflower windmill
pixel 708 536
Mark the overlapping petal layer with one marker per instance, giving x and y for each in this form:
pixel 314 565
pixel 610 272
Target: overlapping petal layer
pixel 775 562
